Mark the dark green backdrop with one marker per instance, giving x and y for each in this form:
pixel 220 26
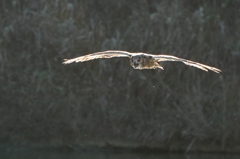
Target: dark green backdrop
pixel 106 101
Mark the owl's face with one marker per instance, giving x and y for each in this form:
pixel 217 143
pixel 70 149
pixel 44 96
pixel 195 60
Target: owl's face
pixel 136 62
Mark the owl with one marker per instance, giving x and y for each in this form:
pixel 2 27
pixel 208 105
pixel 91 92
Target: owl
pixel 141 60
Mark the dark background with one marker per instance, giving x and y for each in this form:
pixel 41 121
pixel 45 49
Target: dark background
pixel 106 102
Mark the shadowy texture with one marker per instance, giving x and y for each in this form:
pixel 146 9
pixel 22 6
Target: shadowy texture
pixel 106 102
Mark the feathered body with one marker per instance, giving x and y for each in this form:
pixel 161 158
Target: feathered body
pixel 142 61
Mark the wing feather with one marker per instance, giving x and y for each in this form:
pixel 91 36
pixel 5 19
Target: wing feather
pixel 160 58
pixel 98 55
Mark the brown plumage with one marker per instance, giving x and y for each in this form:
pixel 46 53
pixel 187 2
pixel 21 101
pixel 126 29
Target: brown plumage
pixel 141 60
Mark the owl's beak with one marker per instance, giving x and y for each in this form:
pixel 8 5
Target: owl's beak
pixel 135 64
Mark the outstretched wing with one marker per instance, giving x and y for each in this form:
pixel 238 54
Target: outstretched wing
pixel 98 55
pixel 160 58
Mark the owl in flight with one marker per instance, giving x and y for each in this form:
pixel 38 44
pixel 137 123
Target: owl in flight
pixel 140 60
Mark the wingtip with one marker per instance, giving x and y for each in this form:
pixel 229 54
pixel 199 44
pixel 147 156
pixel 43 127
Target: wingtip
pixel 217 70
pixel 65 61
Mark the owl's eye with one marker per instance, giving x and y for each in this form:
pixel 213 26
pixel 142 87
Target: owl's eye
pixel 139 60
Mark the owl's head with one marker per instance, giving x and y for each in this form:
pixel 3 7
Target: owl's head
pixel 136 62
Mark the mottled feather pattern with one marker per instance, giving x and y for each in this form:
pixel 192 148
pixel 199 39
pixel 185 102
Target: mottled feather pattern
pixel 97 55
pixel 160 58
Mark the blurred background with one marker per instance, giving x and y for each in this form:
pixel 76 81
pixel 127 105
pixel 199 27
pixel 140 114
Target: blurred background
pixel 106 102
